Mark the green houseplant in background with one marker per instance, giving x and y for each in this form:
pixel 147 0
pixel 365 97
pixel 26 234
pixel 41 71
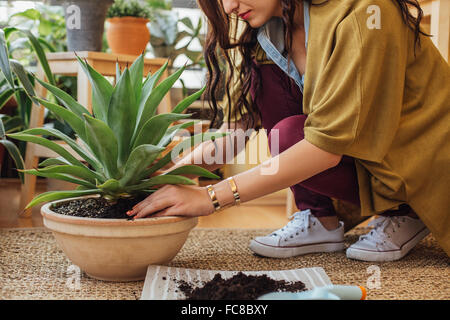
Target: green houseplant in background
pixel 168 40
pixel 127 31
pixel 122 145
pixel 24 30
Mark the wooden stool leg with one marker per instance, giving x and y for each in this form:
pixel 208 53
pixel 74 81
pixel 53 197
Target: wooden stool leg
pixel 31 160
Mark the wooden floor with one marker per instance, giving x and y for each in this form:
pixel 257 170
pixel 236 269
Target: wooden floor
pixel 254 214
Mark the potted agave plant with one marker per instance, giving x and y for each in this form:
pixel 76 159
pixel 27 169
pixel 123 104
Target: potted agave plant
pixel 122 144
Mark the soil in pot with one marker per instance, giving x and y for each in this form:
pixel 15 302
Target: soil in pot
pixel 238 287
pixel 97 208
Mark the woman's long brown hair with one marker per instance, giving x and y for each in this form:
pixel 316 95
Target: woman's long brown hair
pixel 222 37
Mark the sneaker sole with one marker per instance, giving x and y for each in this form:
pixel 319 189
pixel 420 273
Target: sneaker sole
pixel 376 256
pixel 287 252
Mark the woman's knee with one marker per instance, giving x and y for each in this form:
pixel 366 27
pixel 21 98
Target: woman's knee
pixel 286 133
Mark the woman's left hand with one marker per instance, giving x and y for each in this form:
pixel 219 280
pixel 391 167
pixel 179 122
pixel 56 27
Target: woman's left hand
pixel 175 200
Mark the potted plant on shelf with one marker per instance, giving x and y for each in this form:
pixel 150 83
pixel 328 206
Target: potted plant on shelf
pixel 121 142
pixel 127 31
pixel 85 22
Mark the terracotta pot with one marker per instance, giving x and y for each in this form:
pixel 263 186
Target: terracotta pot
pixel 127 35
pixel 117 249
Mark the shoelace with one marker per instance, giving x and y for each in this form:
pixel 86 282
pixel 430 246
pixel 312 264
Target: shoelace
pixel 299 222
pixel 379 233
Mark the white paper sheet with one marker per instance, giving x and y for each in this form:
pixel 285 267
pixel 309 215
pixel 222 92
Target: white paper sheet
pixel 161 281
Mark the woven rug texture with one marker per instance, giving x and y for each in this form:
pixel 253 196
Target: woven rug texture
pixel 33 267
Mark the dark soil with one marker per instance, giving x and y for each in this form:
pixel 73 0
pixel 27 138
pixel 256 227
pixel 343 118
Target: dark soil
pixel 239 287
pixel 97 208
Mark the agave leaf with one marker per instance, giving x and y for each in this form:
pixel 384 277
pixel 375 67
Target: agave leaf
pixel 103 143
pixel 56 133
pixel 155 128
pixel 71 118
pixel 59 176
pixel 195 170
pixel 139 159
pixel 155 98
pixel 79 172
pixel 48 144
pixel 159 180
pixel 58 195
pixel 189 142
pixel 136 75
pixel 110 186
pixel 4 60
pixel 15 155
pixel 188 101
pixel 101 91
pixel 53 161
pixel 117 70
pixel 122 111
pixel 65 99
pixel 173 130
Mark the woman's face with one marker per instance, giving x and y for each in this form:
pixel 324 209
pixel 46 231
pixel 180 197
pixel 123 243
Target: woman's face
pixel 255 12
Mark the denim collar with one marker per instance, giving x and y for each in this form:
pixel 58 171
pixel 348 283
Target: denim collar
pixel 271 38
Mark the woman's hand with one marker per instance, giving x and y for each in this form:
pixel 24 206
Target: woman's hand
pixel 175 200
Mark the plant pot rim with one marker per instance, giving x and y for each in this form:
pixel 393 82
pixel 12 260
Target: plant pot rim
pixel 49 214
pixel 127 19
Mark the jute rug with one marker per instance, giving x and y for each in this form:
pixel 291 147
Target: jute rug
pixel 33 267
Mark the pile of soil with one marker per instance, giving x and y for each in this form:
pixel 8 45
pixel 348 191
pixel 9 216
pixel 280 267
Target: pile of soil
pixel 97 207
pixel 239 287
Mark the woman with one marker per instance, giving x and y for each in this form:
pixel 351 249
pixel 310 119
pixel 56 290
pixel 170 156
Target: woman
pixel 358 97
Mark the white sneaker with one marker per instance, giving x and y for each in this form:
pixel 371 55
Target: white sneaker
pixel 303 234
pixel 391 239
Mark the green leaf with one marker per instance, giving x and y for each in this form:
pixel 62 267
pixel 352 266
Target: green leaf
pixel 73 144
pixel 139 159
pixel 122 115
pixel 13 124
pixel 155 128
pixel 76 171
pixel 136 75
pixel 66 99
pixel 71 118
pixel 195 170
pixel 117 71
pixel 103 143
pixel 48 144
pixel 58 195
pixel 31 14
pixel 111 186
pixel 59 176
pixel 188 101
pixel 22 75
pixel 4 60
pixel 173 130
pixel 53 161
pixel 156 97
pixel 5 96
pixel 183 145
pixel 147 89
pixel 159 180
pixel 15 155
pixel 101 91
pixel 40 54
